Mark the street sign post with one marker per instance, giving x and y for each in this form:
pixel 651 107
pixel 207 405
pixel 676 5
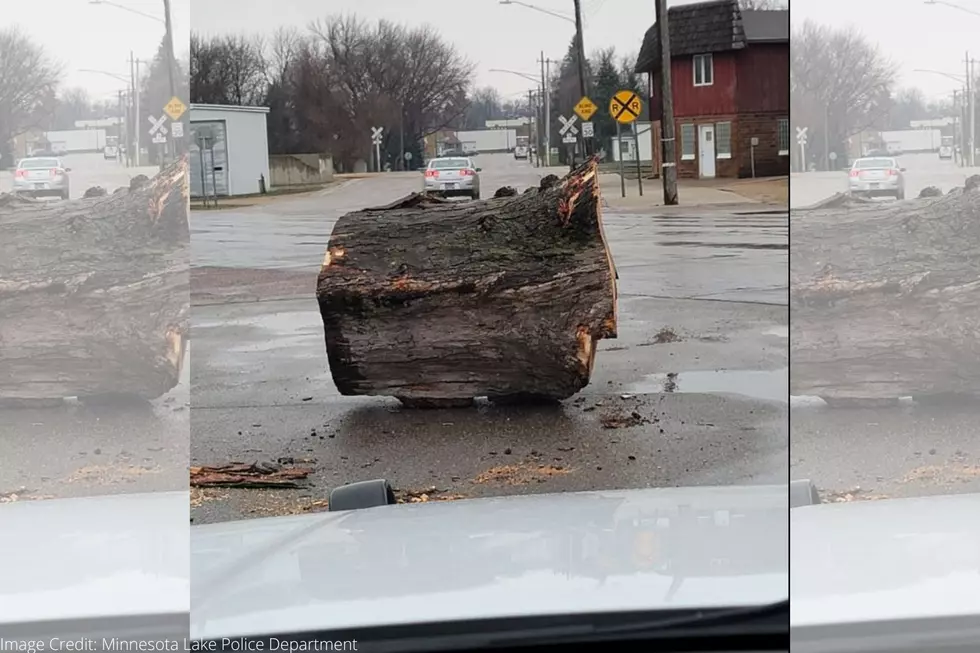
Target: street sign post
pixel 567 126
pixel 585 109
pixel 157 129
pixel 801 140
pixel 625 107
pixel 569 133
pixel 376 137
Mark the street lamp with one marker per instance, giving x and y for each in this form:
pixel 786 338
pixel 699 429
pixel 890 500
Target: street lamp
pixel 954 6
pixel 514 72
pixel 959 78
pixel 171 59
pixel 103 72
pixel 970 90
pixel 577 21
pixel 536 8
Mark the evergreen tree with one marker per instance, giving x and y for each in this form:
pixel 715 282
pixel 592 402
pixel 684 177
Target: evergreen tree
pixel 607 82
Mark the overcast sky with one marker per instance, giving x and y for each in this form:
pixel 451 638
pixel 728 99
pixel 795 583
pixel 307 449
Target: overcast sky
pixel 490 34
pixel 81 35
pixel 915 35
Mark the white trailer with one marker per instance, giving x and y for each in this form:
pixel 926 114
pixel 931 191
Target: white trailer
pixel 77 140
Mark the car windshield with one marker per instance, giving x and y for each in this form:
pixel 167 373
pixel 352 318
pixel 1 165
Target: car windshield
pixel 546 325
pixel 443 164
pixel 863 164
pixel 30 164
pixel 884 270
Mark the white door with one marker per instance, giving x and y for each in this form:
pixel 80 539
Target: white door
pixel 706 151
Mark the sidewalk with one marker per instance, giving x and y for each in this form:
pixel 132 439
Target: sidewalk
pixel 274 195
pixel 696 192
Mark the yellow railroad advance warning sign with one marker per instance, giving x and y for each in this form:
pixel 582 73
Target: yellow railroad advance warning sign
pixel 585 108
pixel 625 106
pixel 175 108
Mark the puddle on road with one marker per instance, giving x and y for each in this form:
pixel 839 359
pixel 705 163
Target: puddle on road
pixel 769 385
pixel 692 243
pixel 778 331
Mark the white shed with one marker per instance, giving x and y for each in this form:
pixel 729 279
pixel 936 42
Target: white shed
pixel 229 149
pixel 629 144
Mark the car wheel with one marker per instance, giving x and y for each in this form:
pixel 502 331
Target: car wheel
pixel 475 196
pixel 65 195
pixel 900 195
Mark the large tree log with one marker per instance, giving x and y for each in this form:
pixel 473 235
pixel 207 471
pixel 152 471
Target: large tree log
pixel 94 292
pixel 433 301
pixel 885 299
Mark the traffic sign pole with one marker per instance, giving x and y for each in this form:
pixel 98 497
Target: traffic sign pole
pixel 376 137
pixel 625 107
pixel 801 140
pixel 622 173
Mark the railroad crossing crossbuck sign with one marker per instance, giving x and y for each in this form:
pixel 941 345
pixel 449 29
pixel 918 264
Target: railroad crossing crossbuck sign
pixel 801 135
pixel 568 129
pixel 585 109
pixel 625 107
pixel 376 135
pixel 157 130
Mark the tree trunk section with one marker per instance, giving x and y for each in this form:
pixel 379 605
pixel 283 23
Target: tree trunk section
pixel 885 299
pixel 437 302
pixel 94 292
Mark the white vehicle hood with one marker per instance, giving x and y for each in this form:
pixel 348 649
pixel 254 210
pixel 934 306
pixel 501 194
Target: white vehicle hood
pixel 64 560
pixel 485 558
pixel 887 562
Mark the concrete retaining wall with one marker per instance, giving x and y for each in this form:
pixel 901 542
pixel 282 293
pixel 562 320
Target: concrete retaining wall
pixel 299 169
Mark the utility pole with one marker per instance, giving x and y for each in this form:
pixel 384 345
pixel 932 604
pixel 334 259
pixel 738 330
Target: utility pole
pixel 171 66
pixel 401 140
pixel 530 122
pixel 972 93
pixel 586 149
pixel 545 75
pixel 134 73
pixel 669 160
pixel 120 139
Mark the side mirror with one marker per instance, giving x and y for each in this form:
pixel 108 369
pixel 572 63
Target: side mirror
pixel 901 169
pixel 479 169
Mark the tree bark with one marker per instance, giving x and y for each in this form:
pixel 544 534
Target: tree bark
pixel 885 299
pixel 437 302
pixel 94 293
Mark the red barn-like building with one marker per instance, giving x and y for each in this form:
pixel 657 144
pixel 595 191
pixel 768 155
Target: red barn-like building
pixel 730 82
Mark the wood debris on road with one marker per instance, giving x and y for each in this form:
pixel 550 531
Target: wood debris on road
pixel 249 475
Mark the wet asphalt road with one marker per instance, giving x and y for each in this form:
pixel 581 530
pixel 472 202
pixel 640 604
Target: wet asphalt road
pixel 72 449
pixel 89 170
pixel 921 170
pixel 905 449
pixel 702 295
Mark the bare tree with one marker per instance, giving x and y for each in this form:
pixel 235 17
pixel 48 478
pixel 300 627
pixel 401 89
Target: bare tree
pixel 327 87
pixel 28 82
pixel 228 70
pixel 840 85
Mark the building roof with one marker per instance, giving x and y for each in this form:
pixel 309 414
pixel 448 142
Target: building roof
pixel 714 26
pixel 766 26
pixel 228 107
